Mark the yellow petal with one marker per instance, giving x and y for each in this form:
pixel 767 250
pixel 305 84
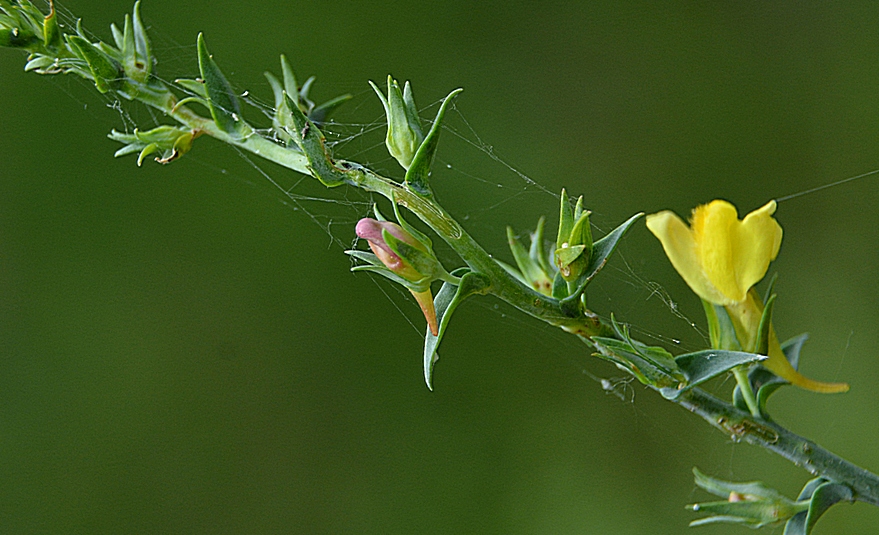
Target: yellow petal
pixel 714 230
pixel 779 365
pixel 679 243
pixel 756 245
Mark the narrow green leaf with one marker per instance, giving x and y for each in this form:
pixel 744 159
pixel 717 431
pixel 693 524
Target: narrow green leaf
pixel 132 63
pixel 290 84
pixel 39 64
pixel 566 220
pixel 142 42
pixel 559 287
pixel 418 286
pixel 445 303
pixel 721 330
pixel 117 36
pixel 277 89
pixel 106 72
pixel 195 87
pixel 320 114
pixel 701 366
pixel 537 252
pixel 417 234
pixel 312 143
pixel 653 367
pixel 527 266
pixel 719 487
pixel 411 109
pixel 222 99
pixel 601 253
pixel 418 174
pixel 763 330
pixel 283 120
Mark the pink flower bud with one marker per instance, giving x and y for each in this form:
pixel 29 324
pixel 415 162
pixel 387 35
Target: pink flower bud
pixel 371 231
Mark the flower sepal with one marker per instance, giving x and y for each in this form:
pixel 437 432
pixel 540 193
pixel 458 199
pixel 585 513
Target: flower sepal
pixel 404 255
pixel 170 142
pixel 574 241
pixel 752 504
pixel 533 266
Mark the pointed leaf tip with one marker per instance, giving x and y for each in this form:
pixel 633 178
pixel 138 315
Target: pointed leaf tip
pixel 418 174
pixel 223 102
pixel 445 303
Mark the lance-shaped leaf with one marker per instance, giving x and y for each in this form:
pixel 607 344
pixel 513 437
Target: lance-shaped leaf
pixel 418 174
pixel 537 251
pixel 320 113
pixel 651 365
pixel 375 265
pixel 222 100
pixel 447 300
pixel 762 338
pixel 531 272
pixel 721 330
pixel 290 84
pixel 312 143
pixel 282 121
pixel 42 65
pixel 196 87
pixel 105 71
pixel 131 54
pixel 141 41
pixel 822 495
pixel 701 366
pixel 601 252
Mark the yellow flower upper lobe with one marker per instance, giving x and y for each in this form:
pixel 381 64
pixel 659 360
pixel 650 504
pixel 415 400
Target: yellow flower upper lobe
pixel 719 256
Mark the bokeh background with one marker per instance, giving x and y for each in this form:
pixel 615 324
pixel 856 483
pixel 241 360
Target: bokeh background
pixel 183 348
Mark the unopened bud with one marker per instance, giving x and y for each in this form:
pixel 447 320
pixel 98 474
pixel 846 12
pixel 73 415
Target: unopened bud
pixel 404 126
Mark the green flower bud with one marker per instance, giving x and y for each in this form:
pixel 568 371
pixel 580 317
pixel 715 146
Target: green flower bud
pixel 404 126
pixel 574 242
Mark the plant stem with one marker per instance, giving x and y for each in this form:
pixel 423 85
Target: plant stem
pixel 738 424
pixel 804 453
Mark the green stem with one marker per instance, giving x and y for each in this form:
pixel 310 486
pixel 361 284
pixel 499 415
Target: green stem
pixel 740 425
pixel 735 423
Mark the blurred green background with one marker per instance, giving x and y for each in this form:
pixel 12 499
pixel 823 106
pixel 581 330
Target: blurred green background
pixel 183 349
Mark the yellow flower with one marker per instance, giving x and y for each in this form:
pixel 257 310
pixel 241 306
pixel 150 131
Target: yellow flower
pixel 721 257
